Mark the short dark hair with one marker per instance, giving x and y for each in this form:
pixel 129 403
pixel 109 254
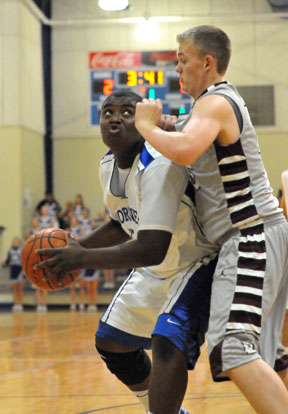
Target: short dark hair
pixel 123 93
pixel 210 40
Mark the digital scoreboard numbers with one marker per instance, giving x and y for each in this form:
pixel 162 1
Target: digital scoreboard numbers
pixel 143 77
pixel 154 81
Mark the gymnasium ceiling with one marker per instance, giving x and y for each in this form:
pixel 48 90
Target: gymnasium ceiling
pixel 88 11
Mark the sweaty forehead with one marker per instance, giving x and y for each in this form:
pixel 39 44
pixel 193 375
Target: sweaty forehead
pixel 119 101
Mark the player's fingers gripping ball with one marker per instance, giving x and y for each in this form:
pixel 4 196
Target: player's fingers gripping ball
pixel 45 239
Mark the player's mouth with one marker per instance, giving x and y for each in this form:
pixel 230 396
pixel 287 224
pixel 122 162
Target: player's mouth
pixel 114 129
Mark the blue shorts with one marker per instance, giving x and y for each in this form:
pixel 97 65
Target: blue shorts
pixel 187 322
pixel 106 331
pixel 184 323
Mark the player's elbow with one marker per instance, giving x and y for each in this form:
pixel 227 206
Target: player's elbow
pixel 154 246
pixel 155 258
pixel 157 253
pixel 184 159
pixel 184 155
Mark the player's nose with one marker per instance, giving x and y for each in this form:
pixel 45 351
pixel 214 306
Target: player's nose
pixel 115 117
pixel 178 68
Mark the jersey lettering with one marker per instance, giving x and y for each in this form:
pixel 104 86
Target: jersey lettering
pixel 127 214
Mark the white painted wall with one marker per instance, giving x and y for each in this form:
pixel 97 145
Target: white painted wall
pixel 259 57
pixel 21 117
pixel 21 67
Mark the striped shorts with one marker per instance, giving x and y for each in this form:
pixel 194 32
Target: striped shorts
pixel 249 298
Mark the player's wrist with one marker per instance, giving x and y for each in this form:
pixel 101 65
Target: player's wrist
pixel 146 128
pixel 85 260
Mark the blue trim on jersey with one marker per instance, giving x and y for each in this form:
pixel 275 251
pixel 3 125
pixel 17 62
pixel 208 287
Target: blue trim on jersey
pixel 145 157
pixel 106 331
pixel 108 154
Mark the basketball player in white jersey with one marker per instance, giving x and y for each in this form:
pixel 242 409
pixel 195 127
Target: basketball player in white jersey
pixel 235 208
pixel 153 230
pixel 284 188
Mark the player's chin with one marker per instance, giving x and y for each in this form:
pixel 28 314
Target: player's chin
pixel 111 139
pixel 184 88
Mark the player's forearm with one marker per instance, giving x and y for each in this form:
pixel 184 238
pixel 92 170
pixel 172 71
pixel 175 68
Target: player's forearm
pixel 128 255
pixel 109 234
pixel 149 249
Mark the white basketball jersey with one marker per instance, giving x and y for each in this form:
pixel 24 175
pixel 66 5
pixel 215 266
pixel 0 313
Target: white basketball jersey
pixel 156 196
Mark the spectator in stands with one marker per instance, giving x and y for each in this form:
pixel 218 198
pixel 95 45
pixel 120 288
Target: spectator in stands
pixel 91 276
pixel 41 299
pixel 41 295
pixel 75 231
pixel 87 223
pixel 13 260
pixel 68 214
pixel 78 206
pixel 34 227
pixel 45 220
pixel 51 203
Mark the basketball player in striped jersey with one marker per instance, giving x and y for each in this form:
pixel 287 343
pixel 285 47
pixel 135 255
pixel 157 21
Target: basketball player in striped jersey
pixel 153 230
pixel 235 208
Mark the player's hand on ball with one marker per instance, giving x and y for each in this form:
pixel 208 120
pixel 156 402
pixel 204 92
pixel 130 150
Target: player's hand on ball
pixel 62 260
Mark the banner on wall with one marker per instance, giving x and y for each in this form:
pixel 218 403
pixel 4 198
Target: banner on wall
pixel 151 74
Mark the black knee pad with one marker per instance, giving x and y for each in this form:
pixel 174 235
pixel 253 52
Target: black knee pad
pixel 129 367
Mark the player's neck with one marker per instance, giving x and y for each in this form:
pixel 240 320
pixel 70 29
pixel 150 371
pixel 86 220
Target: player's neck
pixel 126 158
pixel 210 81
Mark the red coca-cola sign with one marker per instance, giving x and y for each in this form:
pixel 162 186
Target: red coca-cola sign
pixel 112 60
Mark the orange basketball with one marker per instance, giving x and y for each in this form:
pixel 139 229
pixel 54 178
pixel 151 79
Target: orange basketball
pixel 45 239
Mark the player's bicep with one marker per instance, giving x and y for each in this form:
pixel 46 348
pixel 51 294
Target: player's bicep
pixel 214 118
pixel 205 124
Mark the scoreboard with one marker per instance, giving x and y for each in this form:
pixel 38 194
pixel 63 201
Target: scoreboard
pixel 149 74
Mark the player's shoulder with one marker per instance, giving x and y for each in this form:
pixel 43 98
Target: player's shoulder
pixel 107 158
pixel 151 158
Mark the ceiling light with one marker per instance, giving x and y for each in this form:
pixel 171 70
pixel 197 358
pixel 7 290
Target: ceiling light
pixel 147 30
pixel 112 5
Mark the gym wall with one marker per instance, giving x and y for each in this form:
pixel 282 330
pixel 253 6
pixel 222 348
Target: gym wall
pixel 259 57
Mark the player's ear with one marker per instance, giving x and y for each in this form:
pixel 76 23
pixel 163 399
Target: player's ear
pixel 209 62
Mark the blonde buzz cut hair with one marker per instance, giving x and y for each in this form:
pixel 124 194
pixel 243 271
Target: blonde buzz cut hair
pixel 209 40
